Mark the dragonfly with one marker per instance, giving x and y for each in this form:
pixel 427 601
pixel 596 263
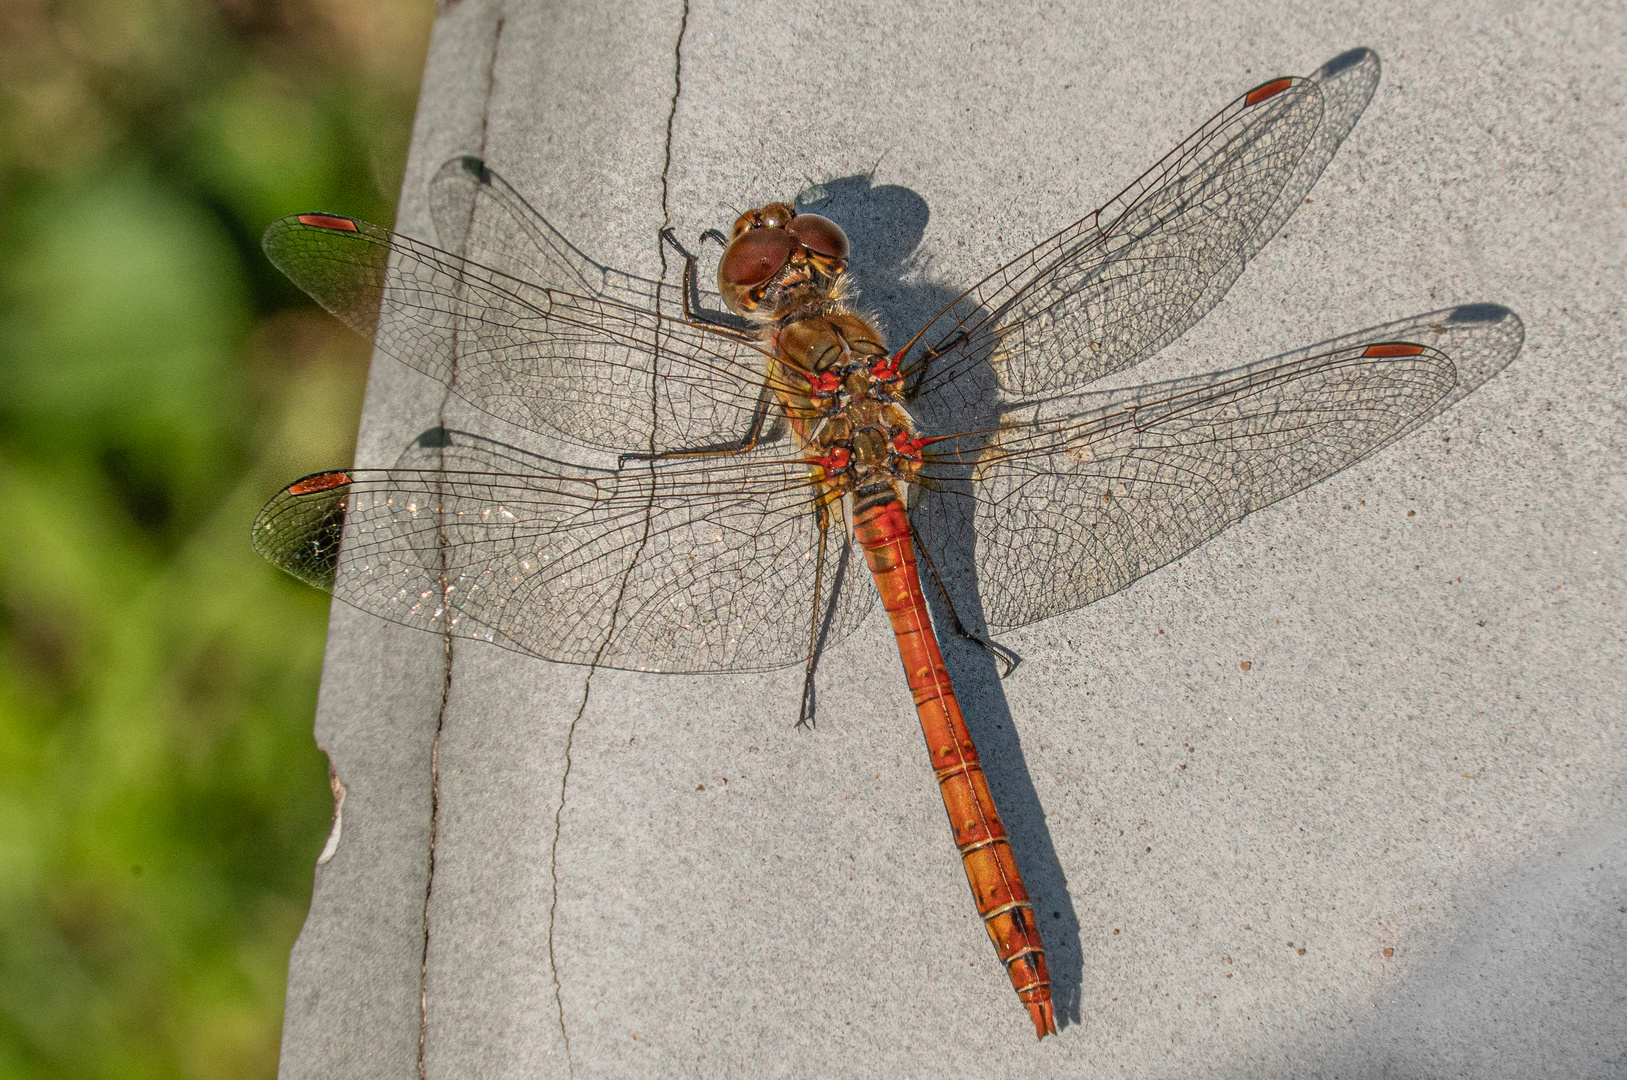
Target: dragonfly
pixel 759 450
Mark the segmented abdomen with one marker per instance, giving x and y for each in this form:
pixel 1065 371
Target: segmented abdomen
pixel 883 530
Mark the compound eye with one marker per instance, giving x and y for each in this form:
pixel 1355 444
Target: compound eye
pixel 820 235
pixel 754 256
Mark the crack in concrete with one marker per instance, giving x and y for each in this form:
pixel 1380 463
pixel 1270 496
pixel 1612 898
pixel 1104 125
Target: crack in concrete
pixel 553 854
pixel 447 640
pixel 672 115
pixel 621 592
pixel 434 831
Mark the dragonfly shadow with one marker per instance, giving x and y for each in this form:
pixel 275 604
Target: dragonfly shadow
pixel 433 447
pixel 886 223
pixel 978 682
pixel 1479 340
pixel 1040 471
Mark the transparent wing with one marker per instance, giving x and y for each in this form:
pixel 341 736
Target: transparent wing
pixel 1118 285
pixel 476 211
pixel 1069 510
pixel 590 369
pixel 673 568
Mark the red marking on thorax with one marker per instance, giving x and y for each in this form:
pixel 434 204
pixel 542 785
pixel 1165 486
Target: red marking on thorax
pixel 836 460
pixel 886 369
pixel 1269 90
pixel 321 482
pixel 328 221
pixel 1393 348
pixel 822 383
pixel 906 447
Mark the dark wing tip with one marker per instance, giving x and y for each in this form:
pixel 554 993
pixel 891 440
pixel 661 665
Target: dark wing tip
pixel 463 167
pixel 1344 61
pixel 475 167
pixel 1479 313
pixel 299 530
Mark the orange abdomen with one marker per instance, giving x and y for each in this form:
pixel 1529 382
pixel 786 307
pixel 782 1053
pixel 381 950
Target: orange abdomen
pixel 991 868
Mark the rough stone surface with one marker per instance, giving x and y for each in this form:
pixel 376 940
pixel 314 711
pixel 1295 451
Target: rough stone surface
pixel 1395 845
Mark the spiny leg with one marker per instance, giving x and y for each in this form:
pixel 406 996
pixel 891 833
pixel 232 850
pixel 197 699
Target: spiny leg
pixel 691 288
pixel 747 443
pixel 1003 655
pixel 915 374
pixel 805 715
pixel 694 316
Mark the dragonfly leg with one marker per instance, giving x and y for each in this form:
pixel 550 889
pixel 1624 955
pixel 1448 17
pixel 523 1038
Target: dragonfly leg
pixel 1007 659
pixel 805 715
pixel 747 443
pixel 691 288
pixel 915 374
pixel 694 316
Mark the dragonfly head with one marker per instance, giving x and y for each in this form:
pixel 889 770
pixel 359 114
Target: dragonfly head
pixel 777 257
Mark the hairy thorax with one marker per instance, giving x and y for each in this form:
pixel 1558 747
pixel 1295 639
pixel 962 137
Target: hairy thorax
pixel 840 389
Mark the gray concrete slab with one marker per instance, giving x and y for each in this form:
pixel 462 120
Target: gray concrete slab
pixel 355 975
pixel 1395 844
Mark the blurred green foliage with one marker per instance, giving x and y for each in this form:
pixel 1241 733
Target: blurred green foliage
pixel 161 799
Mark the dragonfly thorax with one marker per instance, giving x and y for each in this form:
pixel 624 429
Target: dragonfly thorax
pixel 836 385
pixel 862 439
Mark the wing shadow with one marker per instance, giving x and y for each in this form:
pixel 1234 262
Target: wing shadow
pixel 886 224
pixel 1483 337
